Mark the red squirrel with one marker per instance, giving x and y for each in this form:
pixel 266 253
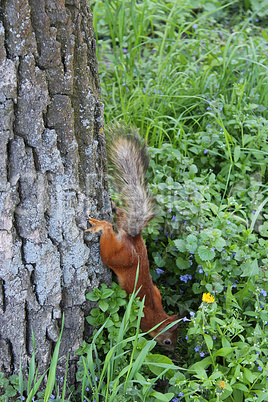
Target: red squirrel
pixel 124 250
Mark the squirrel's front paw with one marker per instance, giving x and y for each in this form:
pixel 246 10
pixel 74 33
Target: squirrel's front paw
pixel 97 225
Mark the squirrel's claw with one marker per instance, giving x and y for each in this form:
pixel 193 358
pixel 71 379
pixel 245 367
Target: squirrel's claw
pixel 96 225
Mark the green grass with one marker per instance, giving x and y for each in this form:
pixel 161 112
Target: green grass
pixel 16 388
pixel 162 66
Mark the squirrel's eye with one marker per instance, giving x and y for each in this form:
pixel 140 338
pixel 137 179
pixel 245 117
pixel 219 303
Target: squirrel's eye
pixel 167 342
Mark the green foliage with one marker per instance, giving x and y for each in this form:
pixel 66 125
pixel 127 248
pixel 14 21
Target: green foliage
pixel 16 388
pixel 228 345
pixel 205 238
pixel 192 75
pixel 117 363
pixel 111 302
pixel 209 237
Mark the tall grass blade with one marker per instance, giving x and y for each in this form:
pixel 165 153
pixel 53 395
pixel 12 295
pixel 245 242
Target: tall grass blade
pixel 140 314
pixel 31 367
pixel 53 367
pixel 36 386
pixel 21 386
pixel 257 213
pixel 65 378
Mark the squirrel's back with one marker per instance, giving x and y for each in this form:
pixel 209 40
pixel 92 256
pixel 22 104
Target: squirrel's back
pixel 129 161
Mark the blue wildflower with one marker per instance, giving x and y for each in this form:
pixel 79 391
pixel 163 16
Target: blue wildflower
pixel 263 292
pixel 185 278
pixel 185 319
pixel 159 271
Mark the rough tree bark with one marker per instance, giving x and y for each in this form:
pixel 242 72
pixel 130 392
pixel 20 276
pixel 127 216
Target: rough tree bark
pixel 53 176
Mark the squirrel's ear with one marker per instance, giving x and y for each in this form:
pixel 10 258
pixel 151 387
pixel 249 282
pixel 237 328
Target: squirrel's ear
pixel 175 326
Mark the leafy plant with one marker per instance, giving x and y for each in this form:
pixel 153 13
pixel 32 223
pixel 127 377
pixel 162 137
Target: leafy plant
pixel 116 365
pixel 227 348
pixel 111 302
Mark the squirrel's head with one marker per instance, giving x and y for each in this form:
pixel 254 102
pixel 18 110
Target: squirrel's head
pixel 168 338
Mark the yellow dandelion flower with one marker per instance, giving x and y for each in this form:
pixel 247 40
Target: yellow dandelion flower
pixel 208 298
pixel 222 384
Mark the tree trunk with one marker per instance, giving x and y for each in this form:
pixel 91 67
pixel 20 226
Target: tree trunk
pixel 53 175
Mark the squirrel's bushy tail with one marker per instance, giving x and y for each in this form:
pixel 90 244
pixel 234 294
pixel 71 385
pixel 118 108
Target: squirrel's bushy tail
pixel 129 161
